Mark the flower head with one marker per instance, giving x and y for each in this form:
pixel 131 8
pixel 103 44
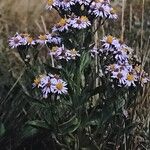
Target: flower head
pixel 21 40
pixel 61 26
pixel 79 22
pixel 60 86
pixel 50 84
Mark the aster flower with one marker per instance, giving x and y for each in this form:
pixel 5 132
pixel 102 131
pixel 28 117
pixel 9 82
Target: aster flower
pixel 130 79
pixel 46 85
pixel 80 22
pixel 21 40
pixel 41 39
pixel 113 14
pixel 102 8
pixel 53 38
pixel 121 55
pixel 71 54
pixel 66 4
pixel 56 51
pixel 108 42
pixel 112 44
pixel 61 26
pixel 16 41
pixel 49 39
pixel 37 81
pixel 50 4
pixel 59 86
pixel 28 39
pixel 120 75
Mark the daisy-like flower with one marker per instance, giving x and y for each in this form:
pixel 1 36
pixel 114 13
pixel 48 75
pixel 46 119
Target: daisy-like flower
pixel 56 51
pixel 53 38
pixel 120 75
pixel 71 54
pixel 102 8
pixel 108 42
pixel 50 84
pixel 63 53
pixel 41 39
pixel 113 14
pixel 49 39
pixel 61 26
pixel 121 55
pixel 60 86
pixel 80 22
pixel 130 79
pixel 46 84
pixel 29 40
pixel 99 10
pixel 111 43
pixel 119 67
pixel 65 4
pixel 37 81
pixel 50 4
pixel 21 40
pixel 16 41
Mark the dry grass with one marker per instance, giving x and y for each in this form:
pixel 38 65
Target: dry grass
pixel 24 16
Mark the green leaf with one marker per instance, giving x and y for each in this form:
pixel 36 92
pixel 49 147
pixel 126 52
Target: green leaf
pixel 70 126
pixel 38 124
pixel 84 62
pixel 29 131
pixel 2 129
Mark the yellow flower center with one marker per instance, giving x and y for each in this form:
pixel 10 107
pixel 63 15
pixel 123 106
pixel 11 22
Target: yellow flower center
pixel 25 35
pixel 130 77
pixel 62 22
pixel 42 37
pixel 113 11
pixel 112 67
pixel 109 39
pixel 73 51
pixel 29 39
pixel 37 81
pixel 54 48
pixel 59 86
pixel 84 18
pixel 50 2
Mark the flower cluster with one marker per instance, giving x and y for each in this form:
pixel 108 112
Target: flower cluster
pixel 96 8
pixel 50 84
pixel 103 9
pixel 63 53
pixel 21 40
pixel 126 73
pixel 61 4
pixel 73 22
pixel 49 39
pixel 116 47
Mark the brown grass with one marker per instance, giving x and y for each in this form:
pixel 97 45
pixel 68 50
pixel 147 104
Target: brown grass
pixel 24 16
